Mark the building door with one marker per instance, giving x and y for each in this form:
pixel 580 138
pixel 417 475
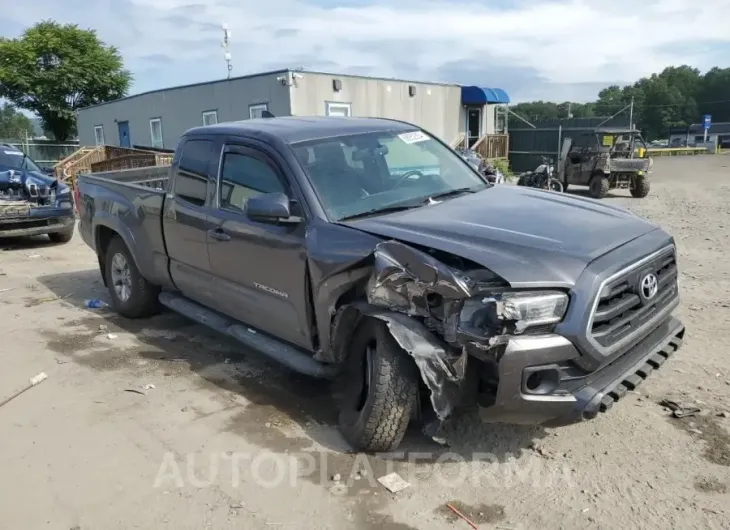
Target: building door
pixel 473 125
pixel 124 140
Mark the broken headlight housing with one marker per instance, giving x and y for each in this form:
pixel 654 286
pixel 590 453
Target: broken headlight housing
pixel 512 312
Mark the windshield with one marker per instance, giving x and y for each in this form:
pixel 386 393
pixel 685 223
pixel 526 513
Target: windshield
pixel 11 158
pixel 358 174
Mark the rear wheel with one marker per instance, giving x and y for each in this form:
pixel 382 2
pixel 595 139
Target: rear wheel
pixel 132 296
pixel 379 390
pixel 639 186
pixel 599 186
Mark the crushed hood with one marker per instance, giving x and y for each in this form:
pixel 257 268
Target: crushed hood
pixel 529 237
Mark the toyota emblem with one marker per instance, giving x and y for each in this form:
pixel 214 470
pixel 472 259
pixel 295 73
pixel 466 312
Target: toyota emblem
pixel 649 286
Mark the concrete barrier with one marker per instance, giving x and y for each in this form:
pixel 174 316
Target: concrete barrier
pixel 677 151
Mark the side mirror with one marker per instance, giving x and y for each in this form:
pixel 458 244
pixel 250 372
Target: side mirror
pixel 269 207
pixel 48 170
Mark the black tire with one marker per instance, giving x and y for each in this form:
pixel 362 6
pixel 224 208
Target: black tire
pixel 142 300
pixel 555 185
pixel 640 186
pixel 521 181
pixel 62 237
pixel 599 186
pixel 377 404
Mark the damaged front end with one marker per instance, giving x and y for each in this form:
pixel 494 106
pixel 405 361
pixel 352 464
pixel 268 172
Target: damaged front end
pixel 454 318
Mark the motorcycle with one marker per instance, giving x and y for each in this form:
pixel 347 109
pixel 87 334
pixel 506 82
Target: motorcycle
pixel 491 173
pixel 542 177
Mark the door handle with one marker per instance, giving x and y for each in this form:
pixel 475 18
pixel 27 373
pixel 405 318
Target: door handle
pixel 219 235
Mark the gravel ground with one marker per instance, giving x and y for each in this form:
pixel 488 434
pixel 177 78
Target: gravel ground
pixel 223 439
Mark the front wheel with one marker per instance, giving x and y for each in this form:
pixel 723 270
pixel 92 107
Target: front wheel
pixel 640 186
pixel 62 237
pixel 132 296
pixel 379 390
pixel 555 185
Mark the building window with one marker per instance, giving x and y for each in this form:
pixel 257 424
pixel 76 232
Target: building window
pixel 257 111
pixel 99 134
pixel 338 109
pixel 156 133
pixel 210 117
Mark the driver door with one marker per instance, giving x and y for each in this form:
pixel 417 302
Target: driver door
pixel 259 267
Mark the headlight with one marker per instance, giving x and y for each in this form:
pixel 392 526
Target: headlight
pixel 534 308
pixel 511 312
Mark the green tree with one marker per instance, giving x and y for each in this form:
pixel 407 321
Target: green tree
pixel 14 125
pixel 536 110
pixel 714 94
pixel 54 69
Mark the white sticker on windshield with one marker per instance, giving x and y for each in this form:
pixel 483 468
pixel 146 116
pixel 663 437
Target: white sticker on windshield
pixel 18 153
pixel 413 137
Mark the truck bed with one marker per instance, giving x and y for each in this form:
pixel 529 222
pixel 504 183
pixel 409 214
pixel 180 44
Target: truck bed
pixel 129 202
pixel 151 177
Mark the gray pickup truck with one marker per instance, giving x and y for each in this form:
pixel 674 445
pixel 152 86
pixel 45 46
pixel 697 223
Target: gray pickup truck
pixel 369 252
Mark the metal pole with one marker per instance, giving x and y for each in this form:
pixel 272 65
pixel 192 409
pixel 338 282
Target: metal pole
pixel 559 159
pixel 612 117
pixel 520 118
pixel 631 114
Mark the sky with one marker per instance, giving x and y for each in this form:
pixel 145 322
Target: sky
pixel 534 49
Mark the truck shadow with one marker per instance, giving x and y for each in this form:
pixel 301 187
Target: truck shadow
pixel 585 192
pixel 277 396
pixel 25 243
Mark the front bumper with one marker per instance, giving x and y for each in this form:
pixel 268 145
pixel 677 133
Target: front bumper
pixel 39 221
pixel 578 395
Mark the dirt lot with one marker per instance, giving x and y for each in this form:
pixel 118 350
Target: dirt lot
pixel 227 440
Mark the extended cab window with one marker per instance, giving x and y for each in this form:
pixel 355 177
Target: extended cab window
pixel 191 181
pixel 244 176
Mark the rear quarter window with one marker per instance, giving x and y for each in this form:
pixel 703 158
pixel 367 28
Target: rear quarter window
pixel 193 172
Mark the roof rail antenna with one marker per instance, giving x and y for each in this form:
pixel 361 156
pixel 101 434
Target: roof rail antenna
pixel 267 114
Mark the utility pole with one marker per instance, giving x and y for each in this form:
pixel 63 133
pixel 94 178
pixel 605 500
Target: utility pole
pixel 226 52
pixel 631 114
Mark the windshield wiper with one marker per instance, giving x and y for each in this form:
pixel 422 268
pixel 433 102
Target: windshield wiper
pixel 377 211
pixel 449 193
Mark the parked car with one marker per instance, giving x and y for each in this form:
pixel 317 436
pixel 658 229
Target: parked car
pixel 419 292
pixel 32 201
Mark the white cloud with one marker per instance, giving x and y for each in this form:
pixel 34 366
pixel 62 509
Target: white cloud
pixel 543 49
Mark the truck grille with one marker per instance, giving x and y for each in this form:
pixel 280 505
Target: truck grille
pixel 634 300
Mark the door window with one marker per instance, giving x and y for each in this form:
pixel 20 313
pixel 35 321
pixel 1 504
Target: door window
pixel 242 177
pixel 191 180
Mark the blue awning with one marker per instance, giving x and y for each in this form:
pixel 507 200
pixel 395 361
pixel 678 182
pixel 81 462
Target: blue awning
pixel 474 95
